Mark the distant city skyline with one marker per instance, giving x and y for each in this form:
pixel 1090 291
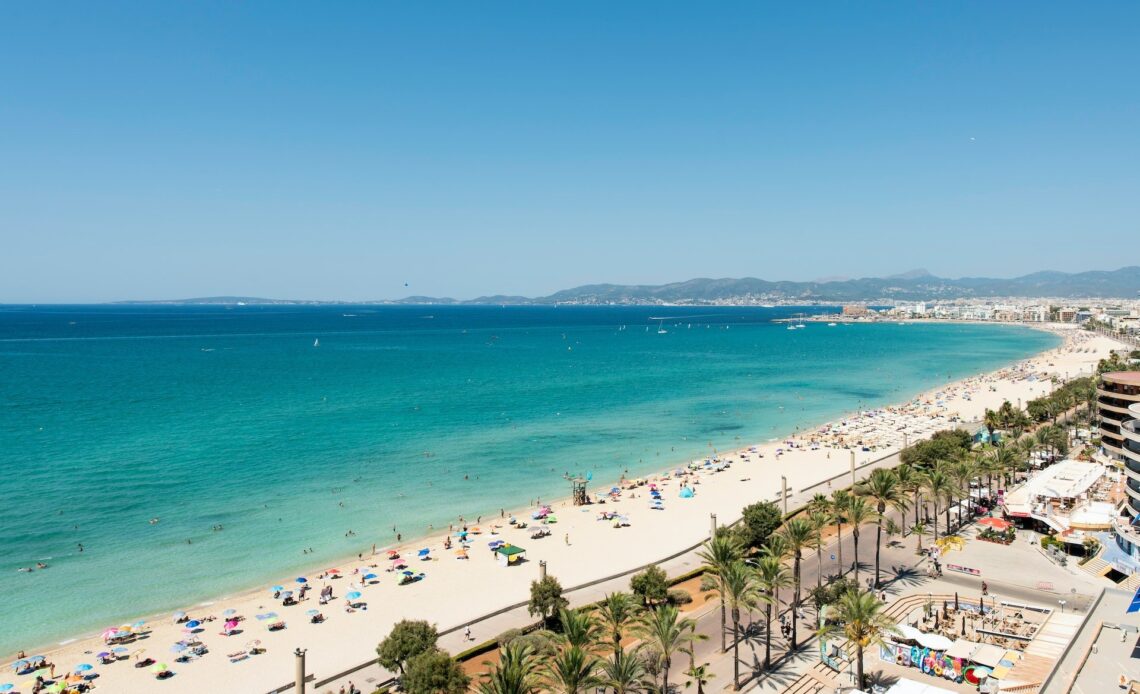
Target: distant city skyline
pixel 369 152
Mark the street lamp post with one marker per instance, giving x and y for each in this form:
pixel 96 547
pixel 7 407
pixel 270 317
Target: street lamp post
pixel 299 683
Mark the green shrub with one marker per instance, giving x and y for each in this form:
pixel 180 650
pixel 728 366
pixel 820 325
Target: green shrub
pixel 678 596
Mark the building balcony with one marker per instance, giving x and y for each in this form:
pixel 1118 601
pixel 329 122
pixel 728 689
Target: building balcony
pixel 1115 395
pixel 1116 407
pixel 1129 533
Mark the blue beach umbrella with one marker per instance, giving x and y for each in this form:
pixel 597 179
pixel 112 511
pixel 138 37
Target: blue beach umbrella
pixel 7 687
pixel 193 624
pixel 313 613
pixel 229 613
pixel 120 649
pixel 409 573
pixel 277 589
pixel 83 667
pixel 354 595
pixel 423 552
pixel 301 579
pixel 138 624
pixel 369 577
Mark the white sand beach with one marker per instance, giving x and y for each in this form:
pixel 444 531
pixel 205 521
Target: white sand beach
pixel 580 548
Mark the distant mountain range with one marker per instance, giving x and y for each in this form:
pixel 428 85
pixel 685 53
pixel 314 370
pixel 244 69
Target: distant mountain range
pixel 916 285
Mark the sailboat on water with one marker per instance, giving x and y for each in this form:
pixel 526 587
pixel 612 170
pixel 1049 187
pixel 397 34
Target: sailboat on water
pixel 317 343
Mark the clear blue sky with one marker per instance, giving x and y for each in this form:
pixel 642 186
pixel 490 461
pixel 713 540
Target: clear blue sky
pixel 339 150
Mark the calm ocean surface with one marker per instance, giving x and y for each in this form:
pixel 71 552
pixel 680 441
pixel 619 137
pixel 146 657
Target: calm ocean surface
pixel 203 416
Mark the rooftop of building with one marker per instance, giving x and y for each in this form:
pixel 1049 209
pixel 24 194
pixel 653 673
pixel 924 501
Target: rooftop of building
pixel 1131 378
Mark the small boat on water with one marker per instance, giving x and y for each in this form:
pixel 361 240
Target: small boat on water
pixel 317 343
pixel 831 325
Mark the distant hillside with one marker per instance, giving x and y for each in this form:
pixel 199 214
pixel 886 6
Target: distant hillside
pixel 917 285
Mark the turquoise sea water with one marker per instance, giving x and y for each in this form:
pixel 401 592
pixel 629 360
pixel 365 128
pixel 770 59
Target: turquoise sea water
pixel 403 416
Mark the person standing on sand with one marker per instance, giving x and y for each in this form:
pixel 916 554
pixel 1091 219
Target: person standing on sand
pixel 567 539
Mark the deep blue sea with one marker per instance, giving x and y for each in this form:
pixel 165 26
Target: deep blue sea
pixel 111 416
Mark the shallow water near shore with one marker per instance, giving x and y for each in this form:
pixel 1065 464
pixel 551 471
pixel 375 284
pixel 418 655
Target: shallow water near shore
pixel 230 417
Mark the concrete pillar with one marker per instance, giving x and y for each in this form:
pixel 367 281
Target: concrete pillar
pixel 299 682
pixel 784 493
pixel 712 526
pixel 541 569
pixel 852 468
pixel 906 440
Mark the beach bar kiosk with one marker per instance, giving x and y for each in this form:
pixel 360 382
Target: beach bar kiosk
pixel 510 554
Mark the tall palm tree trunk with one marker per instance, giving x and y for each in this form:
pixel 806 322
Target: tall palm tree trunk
pixel 878 547
pixel 735 648
pixel 839 551
pixel 768 636
pixel 855 537
pixel 795 599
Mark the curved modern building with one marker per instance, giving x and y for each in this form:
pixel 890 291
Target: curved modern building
pixel 1128 531
pixel 1118 390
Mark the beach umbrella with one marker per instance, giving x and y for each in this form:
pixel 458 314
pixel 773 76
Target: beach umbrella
pixel 332 571
pixel 287 594
pixel 103 654
pixel 229 613
pixel 369 577
pixel 423 552
pixel 313 613
pixel 409 573
pixel 138 625
pixel 138 653
pixel 193 624
pixel 277 589
pixel 83 667
pixel 178 647
pixel 301 579
pixel 55 687
pixel 7 687
pixel 354 595
pixel 120 649
pixel 393 553
pixel 159 667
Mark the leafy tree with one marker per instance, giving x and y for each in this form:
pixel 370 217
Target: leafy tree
pixel 407 639
pixel 651 585
pixel 758 522
pixel 546 598
pixel 860 619
pixel 718 554
pixel 434 672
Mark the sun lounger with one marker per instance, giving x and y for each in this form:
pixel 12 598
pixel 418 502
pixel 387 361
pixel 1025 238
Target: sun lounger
pixel 239 656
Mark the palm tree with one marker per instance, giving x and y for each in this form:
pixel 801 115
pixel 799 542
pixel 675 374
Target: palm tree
pixel 665 630
pixel 579 628
pixel 883 488
pixel 839 500
pixel 918 530
pixel 912 481
pixel 860 619
pixel 771 576
pixel 617 613
pixel 800 536
pixel 570 671
pixel 991 420
pixel 719 553
pixel 515 673
pixel 819 515
pixel 859 513
pixel 939 486
pixel 739 589
pixel 700 676
pixel 962 472
pixel 623 672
